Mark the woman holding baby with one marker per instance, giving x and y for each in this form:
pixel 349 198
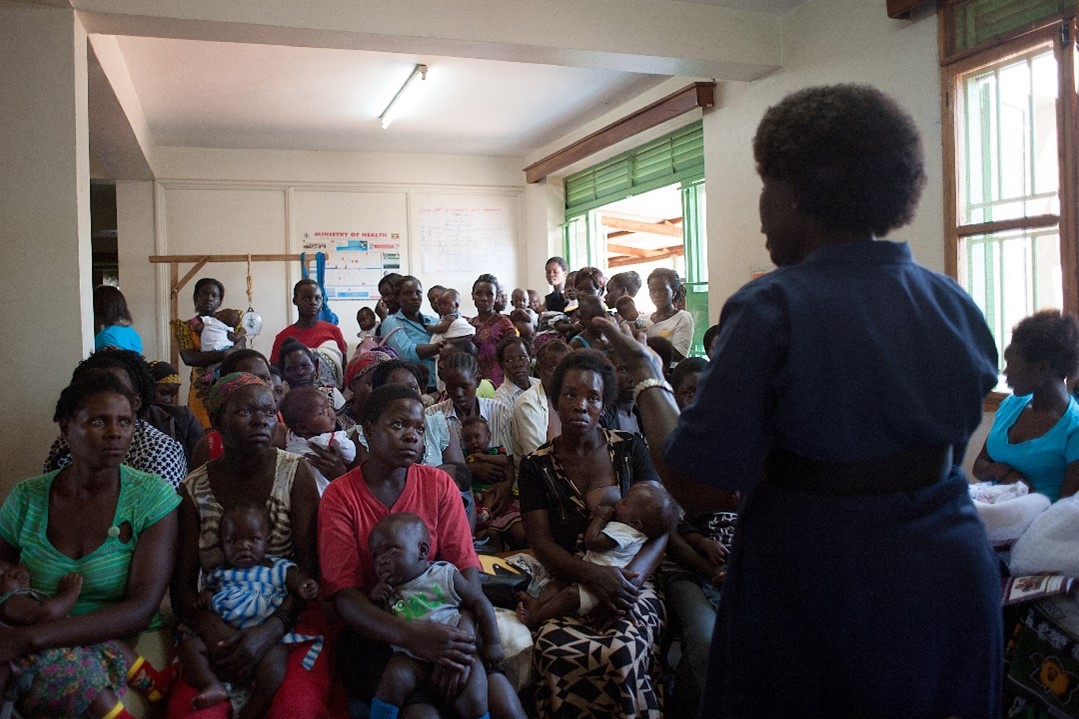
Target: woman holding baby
pixel 250 473
pixel 390 481
pixel 614 648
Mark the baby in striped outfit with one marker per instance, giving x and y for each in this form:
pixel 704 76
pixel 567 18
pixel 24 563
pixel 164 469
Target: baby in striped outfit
pixel 245 591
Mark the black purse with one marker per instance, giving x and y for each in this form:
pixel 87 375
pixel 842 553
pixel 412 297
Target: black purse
pixel 502 586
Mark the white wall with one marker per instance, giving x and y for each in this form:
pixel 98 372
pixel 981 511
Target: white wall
pixel 825 42
pixel 246 202
pixel 44 226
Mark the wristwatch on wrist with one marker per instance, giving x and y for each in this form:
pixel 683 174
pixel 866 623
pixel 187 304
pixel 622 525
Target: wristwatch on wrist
pixel 649 384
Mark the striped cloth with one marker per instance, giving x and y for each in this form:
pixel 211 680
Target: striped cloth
pixel 247 597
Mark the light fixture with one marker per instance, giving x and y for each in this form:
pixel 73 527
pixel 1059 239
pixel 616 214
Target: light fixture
pixel 387 116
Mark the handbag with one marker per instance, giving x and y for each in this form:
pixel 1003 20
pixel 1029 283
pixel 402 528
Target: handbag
pixel 501 586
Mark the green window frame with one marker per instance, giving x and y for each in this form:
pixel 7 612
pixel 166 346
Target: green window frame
pixel 674 159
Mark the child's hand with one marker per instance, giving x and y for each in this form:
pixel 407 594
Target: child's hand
pixel 492 654
pixel 381 593
pixel 205 599
pixel 715 552
pixel 309 589
pixel 604 512
pixel 70 584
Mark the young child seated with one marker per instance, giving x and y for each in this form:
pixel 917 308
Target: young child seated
pixel 627 312
pixel 311 421
pixel 21 606
pixel 246 591
pixel 495 513
pixel 646 512
pixel 535 302
pixel 522 316
pixel 451 324
pixel 368 322
pixel 415 589
pixel 588 338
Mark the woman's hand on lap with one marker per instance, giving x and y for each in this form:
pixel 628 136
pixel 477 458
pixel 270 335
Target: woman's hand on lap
pixel 497 495
pixel 612 586
pixel 487 473
pixel 443 644
pixel 449 681
pixel 237 656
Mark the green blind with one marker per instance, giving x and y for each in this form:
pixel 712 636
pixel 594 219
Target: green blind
pixel 977 21
pixel 677 157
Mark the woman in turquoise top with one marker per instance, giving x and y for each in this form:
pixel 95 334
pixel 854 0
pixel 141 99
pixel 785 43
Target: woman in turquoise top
pixel 1035 434
pixel 113 321
pixel 113 525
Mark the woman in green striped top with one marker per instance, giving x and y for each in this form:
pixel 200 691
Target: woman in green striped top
pixel 115 526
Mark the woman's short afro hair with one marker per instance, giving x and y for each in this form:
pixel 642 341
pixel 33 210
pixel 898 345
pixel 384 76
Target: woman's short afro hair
pixel 1051 337
pixel 591 361
pixel 849 151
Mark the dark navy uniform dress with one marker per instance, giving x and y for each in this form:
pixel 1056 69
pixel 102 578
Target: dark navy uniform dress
pixel 840 398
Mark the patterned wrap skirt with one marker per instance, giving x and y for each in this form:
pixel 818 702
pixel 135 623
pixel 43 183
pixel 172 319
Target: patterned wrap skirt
pixel 62 683
pixel 582 671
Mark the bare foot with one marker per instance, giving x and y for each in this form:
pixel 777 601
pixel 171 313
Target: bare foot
pixel 526 605
pixel 213 694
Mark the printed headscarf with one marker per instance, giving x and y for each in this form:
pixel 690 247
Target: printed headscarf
pixel 364 363
pixel 224 388
pixel 164 373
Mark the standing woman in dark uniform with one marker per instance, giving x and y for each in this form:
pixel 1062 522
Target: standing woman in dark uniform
pixel 840 397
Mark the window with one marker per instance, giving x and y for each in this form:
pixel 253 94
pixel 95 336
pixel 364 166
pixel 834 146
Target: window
pixel 672 165
pixel 1010 142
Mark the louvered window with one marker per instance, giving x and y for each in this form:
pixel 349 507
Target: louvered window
pixel 677 157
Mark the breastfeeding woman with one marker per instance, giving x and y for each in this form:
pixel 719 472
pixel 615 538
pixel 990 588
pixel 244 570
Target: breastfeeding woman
pixel 607 664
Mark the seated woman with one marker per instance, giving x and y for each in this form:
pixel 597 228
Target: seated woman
pixel 516 363
pixel 299 366
pixel 251 362
pixel 358 375
pixel 1035 433
pixel 390 480
pixel 112 320
pixel 150 450
pixel 251 471
pixel 113 525
pixel 460 372
pixel 606 664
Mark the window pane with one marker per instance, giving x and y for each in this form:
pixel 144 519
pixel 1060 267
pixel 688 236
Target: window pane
pixel 1007 144
pixel 1011 275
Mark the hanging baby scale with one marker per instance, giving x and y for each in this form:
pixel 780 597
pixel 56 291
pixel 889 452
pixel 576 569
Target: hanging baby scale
pixel 251 321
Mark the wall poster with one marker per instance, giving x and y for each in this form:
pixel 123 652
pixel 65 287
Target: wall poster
pixel 356 260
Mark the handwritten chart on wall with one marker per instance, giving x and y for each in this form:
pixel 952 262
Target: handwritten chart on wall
pixel 468 237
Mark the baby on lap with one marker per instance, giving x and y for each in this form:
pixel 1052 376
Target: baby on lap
pixel 246 591
pixel 646 512
pixel 310 419
pixel 415 589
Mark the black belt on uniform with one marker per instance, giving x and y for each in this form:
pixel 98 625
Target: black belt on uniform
pixel 903 471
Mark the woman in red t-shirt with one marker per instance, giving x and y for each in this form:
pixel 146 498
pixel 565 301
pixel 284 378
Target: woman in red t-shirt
pixel 390 480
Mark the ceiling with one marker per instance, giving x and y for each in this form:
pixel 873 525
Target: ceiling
pixel 232 95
